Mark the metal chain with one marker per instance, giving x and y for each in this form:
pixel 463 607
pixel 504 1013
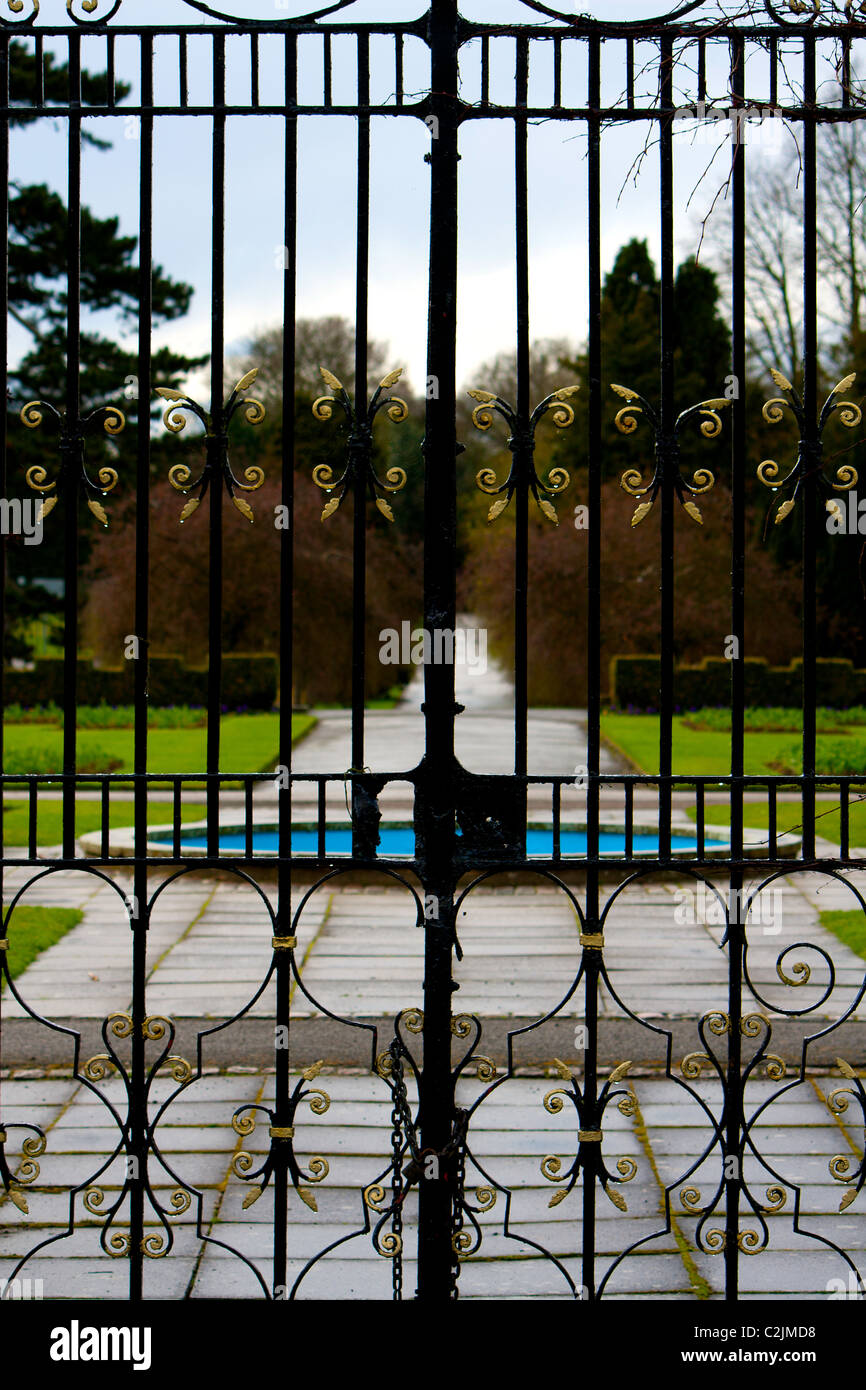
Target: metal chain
pixel 397 1200
pixel 457 1148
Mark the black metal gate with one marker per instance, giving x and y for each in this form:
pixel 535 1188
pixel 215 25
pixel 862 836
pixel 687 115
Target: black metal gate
pixel 467 827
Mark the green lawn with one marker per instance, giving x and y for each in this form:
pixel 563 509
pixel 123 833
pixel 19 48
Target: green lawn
pixel 49 822
pixel 849 926
pixel 704 752
pixel 249 743
pixel 32 930
pixel 789 817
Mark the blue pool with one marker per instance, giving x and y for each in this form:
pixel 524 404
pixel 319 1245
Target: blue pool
pixel 399 841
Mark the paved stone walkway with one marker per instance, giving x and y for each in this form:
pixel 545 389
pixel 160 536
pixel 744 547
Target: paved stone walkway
pixel 361 951
pixel 511 1134
pixel 361 958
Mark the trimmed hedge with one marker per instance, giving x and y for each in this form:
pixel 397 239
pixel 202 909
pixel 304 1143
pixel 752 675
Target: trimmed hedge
pixel 249 681
pixel 634 682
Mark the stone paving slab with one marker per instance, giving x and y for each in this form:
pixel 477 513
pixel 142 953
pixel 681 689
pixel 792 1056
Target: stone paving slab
pixel 510 1134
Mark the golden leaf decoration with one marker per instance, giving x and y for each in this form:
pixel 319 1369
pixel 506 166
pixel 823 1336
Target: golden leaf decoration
pixel 497 509
pixel 846 1069
pixel 391 379
pixel 252 1196
pixel 784 510
pixel 719 403
pixel 484 396
pixel 563 1069
pixel 844 383
pixel 781 381
pixel 189 508
pixel 247 380
pixel 694 512
pixel 616 1197
pixel 19 1200
pixel 565 391
pixel 558 1197
pixel 835 510
pixel 170 395
pixel 640 512
pixel 48 505
pixel 330 507
pixel 306 1196
pixel 313 1071
pixel 624 391
pixel 244 508
pixel 384 509
pixel 98 511
pixel 847 1199
pixel 330 380
pixel 619 1072
pixel 548 510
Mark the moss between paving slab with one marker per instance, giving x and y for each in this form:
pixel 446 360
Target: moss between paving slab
pixel 699 1285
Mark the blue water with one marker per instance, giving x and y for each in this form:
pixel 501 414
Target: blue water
pixel 399 841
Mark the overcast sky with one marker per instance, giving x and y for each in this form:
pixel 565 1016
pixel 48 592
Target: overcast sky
pixel 400 190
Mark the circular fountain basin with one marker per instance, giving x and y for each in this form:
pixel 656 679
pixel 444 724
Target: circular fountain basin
pixel 397 841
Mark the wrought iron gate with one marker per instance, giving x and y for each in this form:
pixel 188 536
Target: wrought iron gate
pixel 468 828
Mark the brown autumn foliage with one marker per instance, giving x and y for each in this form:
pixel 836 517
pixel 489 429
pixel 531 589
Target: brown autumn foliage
pixel 322 620
pixel 630 603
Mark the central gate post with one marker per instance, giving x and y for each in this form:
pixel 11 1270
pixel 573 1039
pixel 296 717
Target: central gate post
pixel 436 787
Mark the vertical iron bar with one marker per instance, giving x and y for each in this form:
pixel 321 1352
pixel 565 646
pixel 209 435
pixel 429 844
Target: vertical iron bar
pixel 810 494
pixel 557 818
pixel 557 72
pixel 254 68
pixel 111 95
pixel 216 446
pixel 71 451
pixel 359 490
pixel 283 981
pixel 326 70
pixel 398 69
pixel 666 442
pixel 32 834
pixel 248 817
pixel 138 1094
pixel 772 788
pixel 736 931
pixel 629 74
pixel 700 818
pixel 592 956
pixel 844 822
pixel 629 819
pixel 436 793
pixel 104 815
pixel 523 455
pixel 321 818
pixel 39 60
pixel 183 71
pixel 4 349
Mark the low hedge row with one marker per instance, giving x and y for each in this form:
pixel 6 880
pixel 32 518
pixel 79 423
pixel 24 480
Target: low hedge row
pixel 249 681
pixel 634 682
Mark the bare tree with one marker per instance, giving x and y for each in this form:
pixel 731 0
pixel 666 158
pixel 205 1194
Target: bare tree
pixel 774 234
pixel 323 342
